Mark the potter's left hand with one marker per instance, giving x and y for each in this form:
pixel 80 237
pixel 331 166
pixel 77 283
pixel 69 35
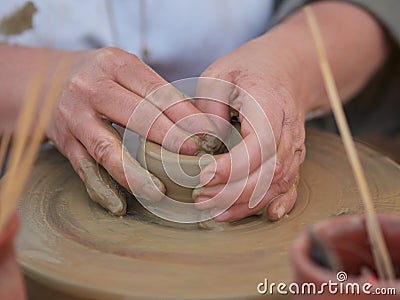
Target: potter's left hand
pixel 263 75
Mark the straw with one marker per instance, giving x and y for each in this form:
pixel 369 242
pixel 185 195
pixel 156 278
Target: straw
pixel 379 250
pixel 25 147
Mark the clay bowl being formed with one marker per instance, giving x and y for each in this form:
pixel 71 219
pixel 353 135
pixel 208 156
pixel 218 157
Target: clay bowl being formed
pixel 157 161
pixel 347 242
pixel 185 169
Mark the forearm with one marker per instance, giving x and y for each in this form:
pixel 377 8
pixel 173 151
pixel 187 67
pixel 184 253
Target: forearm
pixel 355 43
pixel 18 68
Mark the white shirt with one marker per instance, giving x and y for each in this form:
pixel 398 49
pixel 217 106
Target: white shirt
pixel 182 37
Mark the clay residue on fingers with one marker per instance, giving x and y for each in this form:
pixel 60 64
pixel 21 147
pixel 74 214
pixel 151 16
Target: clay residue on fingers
pixel 102 188
pixel 156 187
pixel 209 144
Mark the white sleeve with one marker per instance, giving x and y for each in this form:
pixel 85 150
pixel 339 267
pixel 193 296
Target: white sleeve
pixel 61 24
pixel 181 37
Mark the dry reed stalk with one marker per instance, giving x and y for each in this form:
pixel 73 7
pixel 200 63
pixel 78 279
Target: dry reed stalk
pixel 379 249
pixel 25 147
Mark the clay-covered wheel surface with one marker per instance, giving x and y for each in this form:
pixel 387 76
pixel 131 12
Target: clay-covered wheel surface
pixel 72 245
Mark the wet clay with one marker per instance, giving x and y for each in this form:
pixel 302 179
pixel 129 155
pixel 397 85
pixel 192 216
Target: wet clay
pixel 102 188
pixel 70 245
pixel 159 161
pixel 20 21
pixel 209 144
pixel 105 191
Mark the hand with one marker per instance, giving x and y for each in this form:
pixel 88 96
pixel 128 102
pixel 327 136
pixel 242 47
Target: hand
pixel 280 70
pixel 108 85
pixel 262 73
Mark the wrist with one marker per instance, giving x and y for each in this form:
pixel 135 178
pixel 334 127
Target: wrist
pixel 286 69
pixel 290 49
pixel 353 57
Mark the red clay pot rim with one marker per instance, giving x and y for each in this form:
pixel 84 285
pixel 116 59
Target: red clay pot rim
pixel 303 264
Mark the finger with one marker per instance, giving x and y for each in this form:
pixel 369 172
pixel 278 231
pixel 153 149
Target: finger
pixel 107 149
pixel 179 108
pixel 284 175
pixel 257 146
pixel 101 187
pixel 213 97
pixel 283 191
pixel 140 116
pixel 282 205
pixel 285 168
pixel 288 182
pixel 236 212
pixel 99 184
pixel 222 195
pixel 279 207
pixel 255 187
pixel 130 72
pixel 247 156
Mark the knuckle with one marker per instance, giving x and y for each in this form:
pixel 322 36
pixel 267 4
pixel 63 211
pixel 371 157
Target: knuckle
pixel 110 57
pixel 284 184
pixel 80 85
pixel 134 57
pixel 106 53
pixel 279 169
pixel 152 85
pixel 300 135
pixel 215 70
pixel 61 113
pixel 210 72
pixel 102 149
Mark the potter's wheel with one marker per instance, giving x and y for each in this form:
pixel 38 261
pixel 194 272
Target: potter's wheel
pixel 72 245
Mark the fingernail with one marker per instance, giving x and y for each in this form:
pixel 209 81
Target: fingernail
pixel 279 211
pixel 223 217
pixel 117 208
pixel 159 185
pixel 197 192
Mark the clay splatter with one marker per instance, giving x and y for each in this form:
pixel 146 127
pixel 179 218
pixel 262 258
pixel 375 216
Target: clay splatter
pixel 19 21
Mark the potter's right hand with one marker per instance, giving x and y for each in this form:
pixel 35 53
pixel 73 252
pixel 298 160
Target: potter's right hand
pixel 107 85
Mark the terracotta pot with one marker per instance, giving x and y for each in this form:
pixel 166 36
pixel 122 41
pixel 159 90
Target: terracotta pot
pixel 347 241
pixel 11 282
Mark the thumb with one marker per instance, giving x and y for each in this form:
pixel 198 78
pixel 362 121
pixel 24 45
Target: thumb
pixel 283 204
